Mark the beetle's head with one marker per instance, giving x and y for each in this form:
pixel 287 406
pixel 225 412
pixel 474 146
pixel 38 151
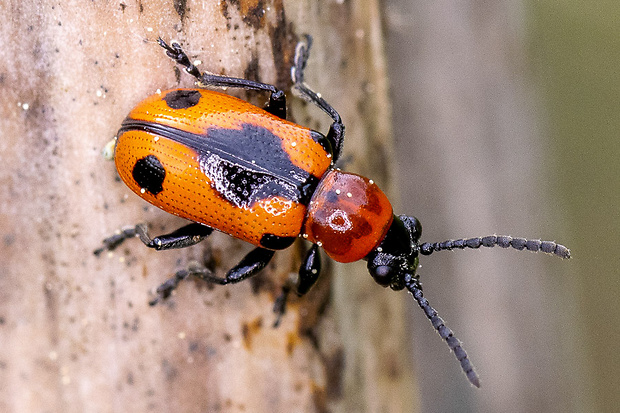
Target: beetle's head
pixel 397 255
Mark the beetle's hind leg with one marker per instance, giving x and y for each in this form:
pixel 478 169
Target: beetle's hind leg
pixel 277 99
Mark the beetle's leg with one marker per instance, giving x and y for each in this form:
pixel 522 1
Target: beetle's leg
pixel 309 270
pixel 250 265
pixel 277 99
pixel 336 130
pixel 167 287
pixel 183 237
pixel 279 306
pixel 308 274
pixel 117 239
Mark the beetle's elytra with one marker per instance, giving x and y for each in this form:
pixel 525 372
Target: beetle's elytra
pixel 225 164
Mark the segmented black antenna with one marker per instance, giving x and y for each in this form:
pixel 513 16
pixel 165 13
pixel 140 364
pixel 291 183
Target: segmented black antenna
pixel 504 241
pixel 413 285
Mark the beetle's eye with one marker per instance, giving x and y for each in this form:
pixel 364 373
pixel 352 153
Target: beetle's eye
pixel 383 275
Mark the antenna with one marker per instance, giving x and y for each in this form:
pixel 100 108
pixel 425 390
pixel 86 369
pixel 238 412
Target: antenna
pixel 412 283
pixel 504 241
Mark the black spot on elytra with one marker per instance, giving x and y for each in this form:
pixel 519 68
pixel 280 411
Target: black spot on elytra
pixel 149 173
pixel 275 242
pixel 182 99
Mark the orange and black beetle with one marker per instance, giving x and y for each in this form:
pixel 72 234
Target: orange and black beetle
pixel 225 164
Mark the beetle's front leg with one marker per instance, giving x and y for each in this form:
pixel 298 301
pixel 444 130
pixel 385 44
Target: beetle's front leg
pixel 308 274
pixel 336 130
pixel 277 99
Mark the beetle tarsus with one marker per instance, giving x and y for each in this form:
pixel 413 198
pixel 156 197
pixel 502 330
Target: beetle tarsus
pixel 112 242
pixel 176 53
pixel 194 269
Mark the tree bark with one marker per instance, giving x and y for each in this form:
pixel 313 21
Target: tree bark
pixel 76 330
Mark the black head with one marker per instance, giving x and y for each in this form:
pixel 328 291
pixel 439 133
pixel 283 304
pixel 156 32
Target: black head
pixel 397 255
pixel 395 261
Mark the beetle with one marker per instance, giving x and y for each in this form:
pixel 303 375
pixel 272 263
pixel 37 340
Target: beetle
pixel 225 164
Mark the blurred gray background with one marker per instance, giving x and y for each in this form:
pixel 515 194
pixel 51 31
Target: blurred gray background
pixel 506 119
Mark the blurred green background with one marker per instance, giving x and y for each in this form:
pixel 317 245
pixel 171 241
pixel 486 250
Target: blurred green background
pixel 506 117
pixel 575 52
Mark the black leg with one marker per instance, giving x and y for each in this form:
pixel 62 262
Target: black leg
pixel 166 288
pixel 277 99
pixel 279 306
pixel 183 237
pixel 250 265
pixel 308 274
pixel 336 130
pixel 117 239
pixel 309 270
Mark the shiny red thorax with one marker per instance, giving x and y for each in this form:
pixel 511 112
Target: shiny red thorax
pixel 348 216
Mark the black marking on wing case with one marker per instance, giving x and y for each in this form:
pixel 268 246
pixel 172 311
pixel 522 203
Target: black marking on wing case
pixel 244 165
pixel 276 242
pixel 149 174
pixel 182 99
